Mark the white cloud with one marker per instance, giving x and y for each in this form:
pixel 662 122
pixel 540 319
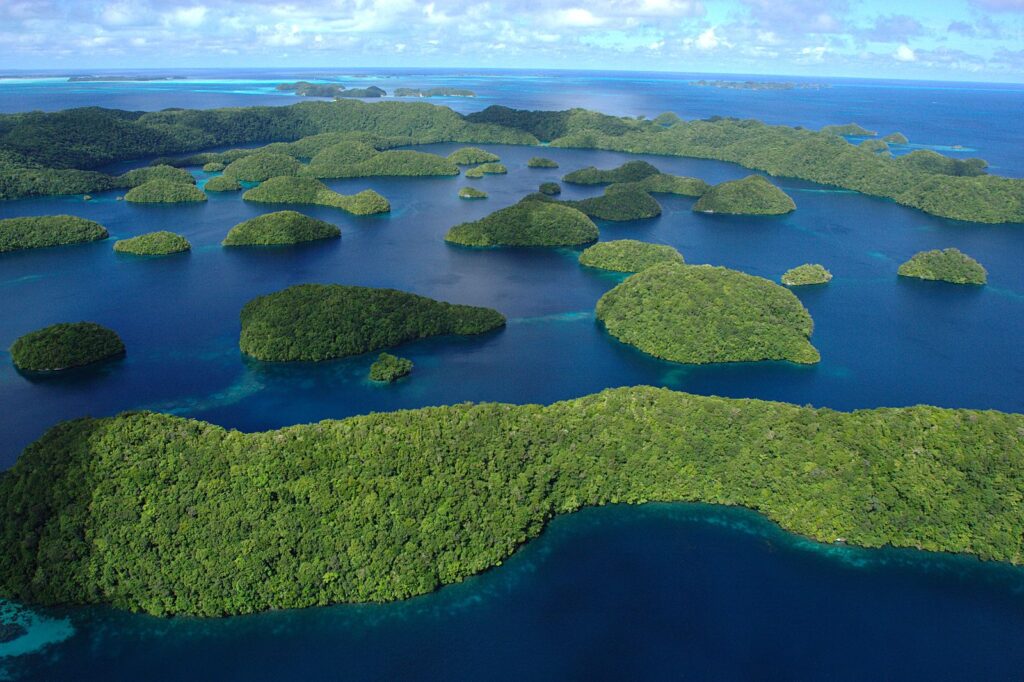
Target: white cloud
pixel 191 17
pixel 577 16
pixel 903 53
pixel 708 40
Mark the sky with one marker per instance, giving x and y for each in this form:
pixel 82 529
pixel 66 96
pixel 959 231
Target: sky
pixel 974 40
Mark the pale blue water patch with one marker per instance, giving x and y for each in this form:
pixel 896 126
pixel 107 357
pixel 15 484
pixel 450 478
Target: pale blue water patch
pixel 41 633
pixel 578 316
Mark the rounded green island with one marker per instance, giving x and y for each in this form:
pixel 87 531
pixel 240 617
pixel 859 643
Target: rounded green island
pixel 471 156
pixel 262 166
pixel 528 223
pixel 66 345
pixel 896 138
pixel 214 167
pixel 541 162
pixel 389 368
pixel 162 243
pixel 280 228
pixel 292 190
pixel 164 192
pixel 628 255
pixel 808 273
pixel 471 193
pixel 946 265
pixel 631 171
pixel 753 195
pixel 338 160
pixel 700 314
pixel 487 169
pixel 315 322
pixel 222 183
pixel 620 203
pixel 550 188
pixel 36 232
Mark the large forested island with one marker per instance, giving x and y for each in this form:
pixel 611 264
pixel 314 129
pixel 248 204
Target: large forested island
pixel 65 345
pixel 753 195
pixel 160 243
pixel 57 153
pixel 286 189
pixel 701 314
pixel 946 265
pixel 34 232
pixel 280 228
pixel 531 222
pixel 324 321
pixel 628 255
pixel 168 515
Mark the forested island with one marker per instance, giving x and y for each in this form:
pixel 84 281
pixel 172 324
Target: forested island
pixel 164 192
pixel 551 189
pixel 262 166
pixel 315 322
pixel 167 515
pixel 486 169
pixel 292 190
pixel 528 223
pixel 388 368
pixel 753 195
pixel 334 90
pixel 54 153
pixel 701 314
pixel 434 92
pixel 161 243
pixel 222 183
pixel 65 345
pixel 280 228
pixel 620 202
pixel 806 274
pixel 541 162
pixel 471 193
pixel 628 255
pixel 471 156
pixel 946 265
pixel 631 171
pixel 35 232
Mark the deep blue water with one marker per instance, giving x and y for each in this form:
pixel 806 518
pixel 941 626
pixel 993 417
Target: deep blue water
pixel 663 591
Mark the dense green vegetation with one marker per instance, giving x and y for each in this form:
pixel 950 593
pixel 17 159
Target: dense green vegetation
pixel 162 243
pixel 933 163
pixel 528 223
pixel 222 183
pixel 65 345
pixel 471 156
pixel 50 153
pixel 214 166
pixel 486 169
pixel 168 515
pixel 291 190
pixel 628 255
pixel 262 166
pixel 392 162
pixel 324 321
pixel 896 138
pixel 620 202
pixel 337 159
pixel 702 314
pixel 279 228
pixel 164 192
pixel 307 89
pixel 873 145
pixel 371 91
pixel 631 171
pixel 541 162
pixel 550 188
pixel 33 232
pixel 139 176
pixel 808 273
pixel 947 265
pixel 662 183
pixel 388 368
pixel 753 195
pixel 851 129
pixel 471 193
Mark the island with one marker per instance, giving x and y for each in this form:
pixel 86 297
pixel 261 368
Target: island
pixel 527 223
pixel 36 232
pixel 161 243
pixel 405 163
pixel 222 183
pixel 663 183
pixel 946 265
pixel 60 152
pixel 631 171
pixel 292 190
pixel 758 85
pixel 214 167
pixel 486 169
pixel 371 92
pixel 468 485
pixel 618 203
pixel 307 89
pixel 700 314
pixel 896 138
pixel 434 92
pixel 337 160
pixel 753 195
pixel 628 255
pixel 314 322
pixel 280 228
pixel 164 192
pixel 262 166
pixel 471 193
pixel 848 130
pixel 806 274
pixel 65 345
pixel 389 368
pixel 541 162
pixel 873 145
pixel 471 156
pixel 550 188
pixel 139 176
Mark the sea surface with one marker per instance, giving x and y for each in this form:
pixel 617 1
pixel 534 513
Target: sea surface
pixel 683 591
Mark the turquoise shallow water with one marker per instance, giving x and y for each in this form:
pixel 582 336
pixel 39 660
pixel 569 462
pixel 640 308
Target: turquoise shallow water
pixel 657 591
